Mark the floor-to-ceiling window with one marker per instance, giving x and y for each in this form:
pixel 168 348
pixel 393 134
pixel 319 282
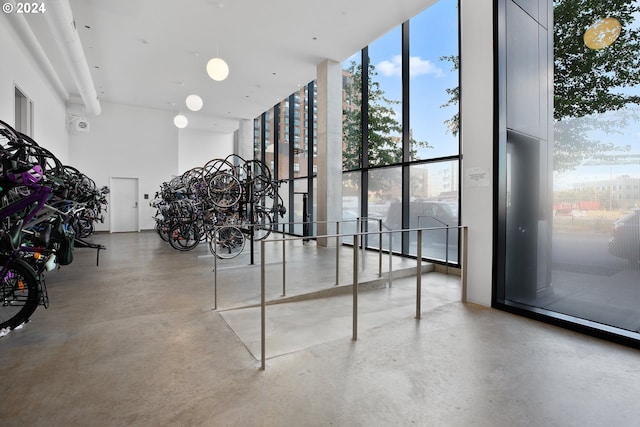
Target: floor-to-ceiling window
pixel 572 206
pixel 400 137
pixel 285 138
pixel 400 133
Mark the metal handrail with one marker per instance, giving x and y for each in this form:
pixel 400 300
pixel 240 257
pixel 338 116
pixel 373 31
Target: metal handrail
pixel 263 243
pixel 446 254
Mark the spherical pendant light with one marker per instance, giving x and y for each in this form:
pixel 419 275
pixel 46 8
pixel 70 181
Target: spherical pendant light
pixel 194 102
pixel 217 69
pixel 180 121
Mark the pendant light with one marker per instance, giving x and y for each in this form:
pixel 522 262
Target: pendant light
pixel 180 121
pixel 194 102
pixel 217 69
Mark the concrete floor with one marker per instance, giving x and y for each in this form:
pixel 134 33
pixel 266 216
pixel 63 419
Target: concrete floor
pixel 135 342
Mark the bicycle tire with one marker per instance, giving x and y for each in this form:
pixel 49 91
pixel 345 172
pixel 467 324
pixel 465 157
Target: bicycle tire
pixel 263 225
pixel 229 242
pixel 224 190
pixel 19 292
pixel 184 236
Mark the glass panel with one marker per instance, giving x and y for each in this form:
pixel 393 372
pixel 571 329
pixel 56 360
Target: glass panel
pixel 300 189
pixel 257 133
pixel 351 120
pixel 314 143
pixel 283 144
pixel 434 204
pixel 314 217
pixel 269 146
pixel 283 191
pixel 384 131
pixel 578 253
pixel 385 195
pixel 596 184
pixel 300 146
pixel 433 73
pixel 350 203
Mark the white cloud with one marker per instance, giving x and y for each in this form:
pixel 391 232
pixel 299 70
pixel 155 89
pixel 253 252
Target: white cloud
pixel 417 67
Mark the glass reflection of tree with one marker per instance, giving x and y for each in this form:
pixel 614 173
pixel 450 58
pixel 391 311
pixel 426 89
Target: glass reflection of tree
pixel 590 81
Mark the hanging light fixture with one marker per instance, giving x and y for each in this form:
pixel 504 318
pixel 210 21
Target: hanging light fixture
pixel 180 121
pixel 217 69
pixel 194 102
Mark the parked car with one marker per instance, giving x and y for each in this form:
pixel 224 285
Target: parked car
pixel 625 237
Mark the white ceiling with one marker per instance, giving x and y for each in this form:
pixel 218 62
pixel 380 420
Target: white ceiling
pixel 153 53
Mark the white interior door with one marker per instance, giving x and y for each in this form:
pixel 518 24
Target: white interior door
pixel 124 204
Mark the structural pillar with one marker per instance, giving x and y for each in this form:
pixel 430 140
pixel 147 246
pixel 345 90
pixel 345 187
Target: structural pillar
pixel 329 210
pixel 243 139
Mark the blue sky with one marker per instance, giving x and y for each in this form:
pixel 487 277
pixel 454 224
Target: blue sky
pixel 434 33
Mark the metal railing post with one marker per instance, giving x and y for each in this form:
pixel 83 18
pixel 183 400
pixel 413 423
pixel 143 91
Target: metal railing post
pixel 284 266
pixel 446 255
pixel 337 253
pixel 262 308
pixel 215 273
pixel 464 263
pixel 390 255
pixel 362 243
pixel 379 248
pixel 419 276
pixel 355 288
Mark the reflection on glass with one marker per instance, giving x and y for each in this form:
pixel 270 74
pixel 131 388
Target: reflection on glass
pixel 300 189
pixel 434 204
pixel 350 202
pixel 385 196
pixel 595 243
pixel 283 142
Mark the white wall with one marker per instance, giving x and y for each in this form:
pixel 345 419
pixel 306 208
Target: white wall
pixel 476 110
pixel 197 147
pixel 20 68
pixel 128 142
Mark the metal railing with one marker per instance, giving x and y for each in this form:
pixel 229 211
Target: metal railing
pixel 358 236
pixel 355 236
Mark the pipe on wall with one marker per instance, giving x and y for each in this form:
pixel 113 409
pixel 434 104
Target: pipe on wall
pixel 23 30
pixel 60 19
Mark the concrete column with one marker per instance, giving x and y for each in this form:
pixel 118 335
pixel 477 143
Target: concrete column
pixel 476 66
pixel 243 140
pixel 329 148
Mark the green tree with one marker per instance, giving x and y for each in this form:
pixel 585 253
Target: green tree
pixel 384 132
pixel 453 124
pixel 589 82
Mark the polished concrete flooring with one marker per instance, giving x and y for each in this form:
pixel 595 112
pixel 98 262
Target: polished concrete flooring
pixel 135 341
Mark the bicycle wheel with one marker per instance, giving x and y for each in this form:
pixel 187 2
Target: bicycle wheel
pixel 263 225
pixel 229 242
pixel 224 190
pixel 162 230
pixel 184 236
pixel 84 227
pixel 19 294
